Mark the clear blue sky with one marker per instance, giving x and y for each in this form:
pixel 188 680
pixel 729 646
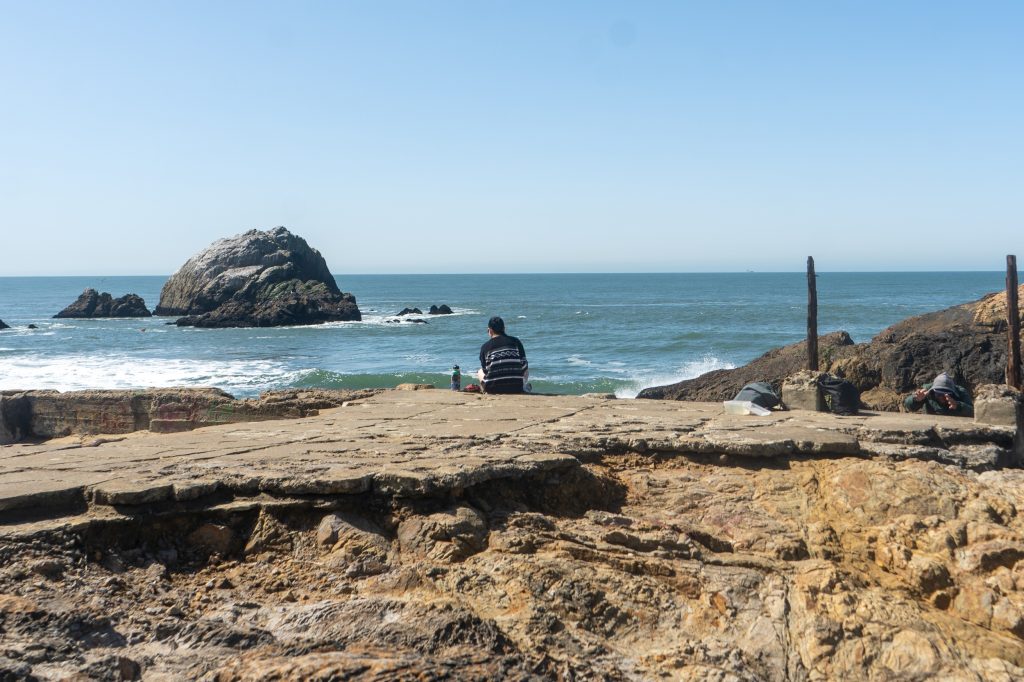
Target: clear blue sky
pixel 514 136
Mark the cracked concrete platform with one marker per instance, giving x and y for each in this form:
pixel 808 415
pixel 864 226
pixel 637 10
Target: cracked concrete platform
pixel 425 443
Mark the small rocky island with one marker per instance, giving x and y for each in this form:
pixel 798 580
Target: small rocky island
pixel 94 304
pixel 4 326
pixel 267 278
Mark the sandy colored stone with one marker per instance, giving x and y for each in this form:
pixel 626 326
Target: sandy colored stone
pixel 437 535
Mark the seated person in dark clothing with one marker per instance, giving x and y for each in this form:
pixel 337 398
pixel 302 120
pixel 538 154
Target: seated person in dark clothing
pixel 942 396
pixel 503 367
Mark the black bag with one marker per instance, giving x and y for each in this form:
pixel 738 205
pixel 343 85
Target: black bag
pixel 760 393
pixel 841 396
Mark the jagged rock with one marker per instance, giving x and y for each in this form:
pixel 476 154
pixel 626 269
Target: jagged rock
pixel 773 367
pixel 473 552
pixel 357 546
pixel 213 537
pixel 4 326
pixel 442 309
pixel 444 537
pixel 94 304
pixel 410 311
pixel 256 279
pixel 968 341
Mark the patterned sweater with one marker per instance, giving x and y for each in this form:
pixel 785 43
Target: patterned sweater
pixel 503 360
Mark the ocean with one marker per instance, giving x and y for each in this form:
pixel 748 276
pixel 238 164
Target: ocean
pixel 607 333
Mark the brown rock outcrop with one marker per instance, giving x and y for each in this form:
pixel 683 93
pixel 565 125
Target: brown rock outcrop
pixel 968 341
pixel 436 535
pixel 773 367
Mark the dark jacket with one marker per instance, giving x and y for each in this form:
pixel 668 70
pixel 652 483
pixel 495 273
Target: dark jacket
pixel 503 360
pixel 931 404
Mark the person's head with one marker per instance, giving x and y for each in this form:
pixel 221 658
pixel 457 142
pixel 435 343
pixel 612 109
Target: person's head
pixel 943 385
pixel 496 326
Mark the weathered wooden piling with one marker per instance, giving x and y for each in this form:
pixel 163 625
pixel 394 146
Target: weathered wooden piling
pixel 1013 377
pixel 812 316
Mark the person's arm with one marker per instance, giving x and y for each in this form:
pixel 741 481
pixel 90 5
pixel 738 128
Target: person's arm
pixel 522 354
pixel 483 360
pixel 964 408
pixel 915 401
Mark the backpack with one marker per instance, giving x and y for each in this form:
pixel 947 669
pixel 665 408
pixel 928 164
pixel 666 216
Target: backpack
pixel 841 396
pixel 760 393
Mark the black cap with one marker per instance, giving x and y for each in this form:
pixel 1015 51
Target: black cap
pixel 496 324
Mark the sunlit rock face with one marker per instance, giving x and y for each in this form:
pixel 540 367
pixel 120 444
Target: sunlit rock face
pixel 256 279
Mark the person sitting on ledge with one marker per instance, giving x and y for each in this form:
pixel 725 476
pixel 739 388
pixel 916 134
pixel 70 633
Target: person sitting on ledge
pixel 503 366
pixel 942 396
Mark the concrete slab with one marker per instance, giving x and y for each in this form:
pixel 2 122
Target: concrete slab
pixel 430 442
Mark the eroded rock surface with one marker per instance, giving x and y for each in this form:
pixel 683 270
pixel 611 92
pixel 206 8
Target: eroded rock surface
pixel 94 304
pixel 51 414
pixel 431 535
pixel 256 279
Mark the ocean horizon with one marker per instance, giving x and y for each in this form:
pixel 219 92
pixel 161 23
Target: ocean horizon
pixel 583 332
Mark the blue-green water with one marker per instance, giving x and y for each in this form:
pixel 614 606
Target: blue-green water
pixel 583 332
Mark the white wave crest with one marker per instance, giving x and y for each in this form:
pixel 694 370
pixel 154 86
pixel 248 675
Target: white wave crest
pixel 79 372
pixel 689 370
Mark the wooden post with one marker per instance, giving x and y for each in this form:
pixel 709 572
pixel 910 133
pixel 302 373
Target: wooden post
pixel 1013 317
pixel 812 316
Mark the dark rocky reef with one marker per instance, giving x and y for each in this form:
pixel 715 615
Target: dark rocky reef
pixel 4 326
pixel 256 279
pixel 967 340
pixel 773 367
pixel 94 304
pixel 410 311
pixel 442 309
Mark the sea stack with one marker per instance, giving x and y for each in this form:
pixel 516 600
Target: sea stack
pixel 4 326
pixel 267 278
pixel 94 304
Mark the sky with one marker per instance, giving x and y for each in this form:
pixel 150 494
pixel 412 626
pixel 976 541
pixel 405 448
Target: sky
pixel 526 136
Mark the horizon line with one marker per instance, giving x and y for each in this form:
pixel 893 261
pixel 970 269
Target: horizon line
pixel 578 272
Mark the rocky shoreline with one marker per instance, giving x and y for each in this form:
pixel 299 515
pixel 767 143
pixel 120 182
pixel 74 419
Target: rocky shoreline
pixel 438 535
pixel 968 341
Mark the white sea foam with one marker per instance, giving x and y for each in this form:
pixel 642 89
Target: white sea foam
pixel 78 372
pixel 689 370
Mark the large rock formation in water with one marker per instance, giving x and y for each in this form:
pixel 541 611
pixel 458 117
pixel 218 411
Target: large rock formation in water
pixel 968 341
pixel 94 304
pixel 256 279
